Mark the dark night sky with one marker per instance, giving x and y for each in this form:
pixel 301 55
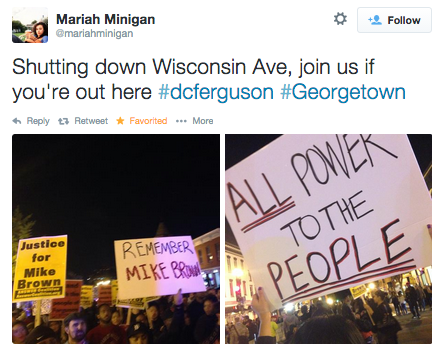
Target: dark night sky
pixel 101 188
pixel 238 147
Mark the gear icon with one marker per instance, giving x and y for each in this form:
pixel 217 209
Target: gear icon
pixel 340 18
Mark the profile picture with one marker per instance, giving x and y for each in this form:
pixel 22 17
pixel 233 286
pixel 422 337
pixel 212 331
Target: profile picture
pixel 30 25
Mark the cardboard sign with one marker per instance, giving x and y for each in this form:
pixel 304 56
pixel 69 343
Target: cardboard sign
pixel 358 291
pixel 157 266
pixel 105 295
pixel 138 303
pixel 41 268
pixel 60 308
pixel 315 214
pixel 86 296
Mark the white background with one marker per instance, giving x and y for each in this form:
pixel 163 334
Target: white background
pixel 219 31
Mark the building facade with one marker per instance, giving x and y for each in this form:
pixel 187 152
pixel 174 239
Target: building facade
pixel 208 252
pixel 239 286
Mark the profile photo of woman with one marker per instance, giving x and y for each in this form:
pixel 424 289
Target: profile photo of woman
pixel 38 35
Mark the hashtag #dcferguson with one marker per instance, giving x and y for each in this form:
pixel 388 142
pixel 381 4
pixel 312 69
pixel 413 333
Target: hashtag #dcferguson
pixel 221 94
pixel 116 34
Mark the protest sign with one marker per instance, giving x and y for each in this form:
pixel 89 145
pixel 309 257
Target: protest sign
pixel 40 269
pixel 358 291
pixel 60 308
pixel 315 214
pixel 104 294
pixel 114 291
pixel 157 266
pixel 86 297
pixel 137 303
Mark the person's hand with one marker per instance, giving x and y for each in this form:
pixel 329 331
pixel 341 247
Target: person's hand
pixel 429 226
pixel 178 299
pixel 261 307
pixel 260 303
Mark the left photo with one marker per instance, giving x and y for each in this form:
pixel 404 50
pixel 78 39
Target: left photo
pixel 115 239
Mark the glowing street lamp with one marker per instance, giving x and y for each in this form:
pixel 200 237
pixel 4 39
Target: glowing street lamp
pixel 289 307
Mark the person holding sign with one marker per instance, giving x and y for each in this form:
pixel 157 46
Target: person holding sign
pixel 387 325
pixel 106 332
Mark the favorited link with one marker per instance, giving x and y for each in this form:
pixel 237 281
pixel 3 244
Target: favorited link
pixel 135 21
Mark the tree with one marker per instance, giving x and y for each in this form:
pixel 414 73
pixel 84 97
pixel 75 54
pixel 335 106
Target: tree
pixel 18 27
pixel 21 229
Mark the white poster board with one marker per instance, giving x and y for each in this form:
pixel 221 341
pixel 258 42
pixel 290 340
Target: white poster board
pixel 315 214
pixel 157 266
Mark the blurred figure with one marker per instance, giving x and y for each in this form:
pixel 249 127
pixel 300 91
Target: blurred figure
pixel 252 331
pixel 411 297
pixel 138 333
pixel 106 332
pixel 116 318
pixel 155 323
pixel 387 326
pixel 56 326
pixel 207 329
pixel 332 329
pixel 19 332
pixel 238 333
pixel 41 335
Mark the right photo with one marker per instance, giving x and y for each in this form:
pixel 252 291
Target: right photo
pixel 328 239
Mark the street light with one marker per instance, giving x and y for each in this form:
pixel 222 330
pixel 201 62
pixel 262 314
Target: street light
pixel 105 283
pixel 289 307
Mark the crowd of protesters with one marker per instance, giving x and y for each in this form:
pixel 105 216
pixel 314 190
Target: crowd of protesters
pixel 361 321
pixel 179 319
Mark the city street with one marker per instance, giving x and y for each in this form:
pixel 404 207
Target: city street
pixel 416 331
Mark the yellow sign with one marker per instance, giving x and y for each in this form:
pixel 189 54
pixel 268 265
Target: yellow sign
pixel 114 290
pixel 138 303
pixel 358 291
pixel 40 271
pixel 86 296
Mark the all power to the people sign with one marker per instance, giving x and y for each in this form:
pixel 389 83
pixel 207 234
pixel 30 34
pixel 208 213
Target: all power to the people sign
pixel 157 266
pixel 40 271
pixel 315 214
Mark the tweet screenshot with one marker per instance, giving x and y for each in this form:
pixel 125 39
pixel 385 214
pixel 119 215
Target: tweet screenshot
pixel 221 172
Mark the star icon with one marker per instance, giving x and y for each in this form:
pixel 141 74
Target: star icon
pixel 120 121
